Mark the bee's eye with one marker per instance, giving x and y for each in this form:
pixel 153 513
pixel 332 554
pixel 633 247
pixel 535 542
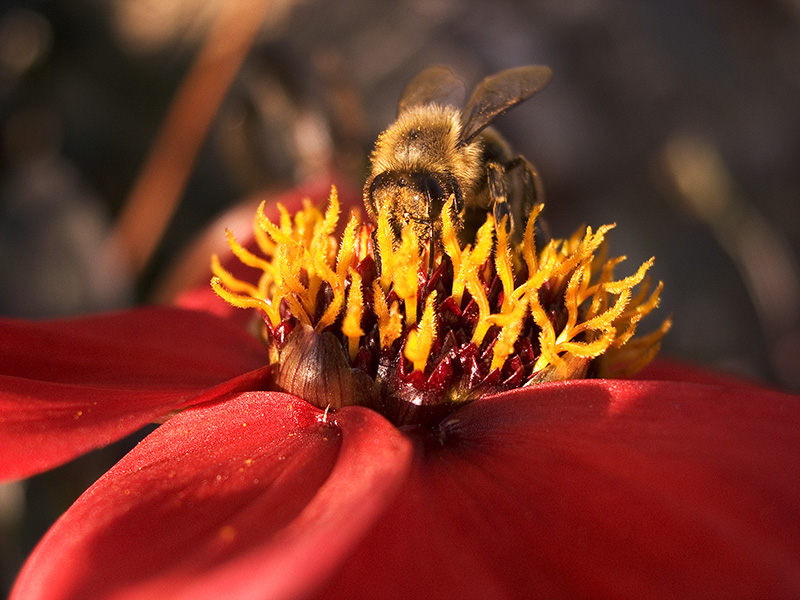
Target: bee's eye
pixel 377 182
pixel 433 190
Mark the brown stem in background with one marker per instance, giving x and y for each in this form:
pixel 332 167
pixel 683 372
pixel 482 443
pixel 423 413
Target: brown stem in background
pixel 765 259
pixel 157 192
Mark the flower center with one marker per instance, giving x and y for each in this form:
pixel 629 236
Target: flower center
pixel 370 319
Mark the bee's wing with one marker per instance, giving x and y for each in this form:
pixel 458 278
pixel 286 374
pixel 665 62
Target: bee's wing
pixel 434 85
pixel 497 93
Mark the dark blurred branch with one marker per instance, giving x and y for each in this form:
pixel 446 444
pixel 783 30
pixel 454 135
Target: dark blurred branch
pixel 157 192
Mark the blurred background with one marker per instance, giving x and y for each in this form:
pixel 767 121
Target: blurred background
pixel 127 127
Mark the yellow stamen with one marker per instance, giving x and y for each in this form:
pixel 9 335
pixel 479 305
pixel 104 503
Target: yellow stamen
pixel 450 237
pixel 347 249
pixel 600 323
pixel 351 326
pixel 337 280
pixel 281 235
pixel 421 338
pixel 484 311
pixel 264 242
pixel 238 300
pixel 467 266
pixel 390 324
pixel 627 360
pixel 385 240
pixel 245 256
pixel 508 335
pixel 464 260
pixel 239 293
pixel 528 240
pixel 580 312
pixel 227 279
pixel 502 263
pixel 404 265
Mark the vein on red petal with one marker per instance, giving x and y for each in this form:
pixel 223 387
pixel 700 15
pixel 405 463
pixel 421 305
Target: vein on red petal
pixel 690 491
pixel 253 497
pixel 72 385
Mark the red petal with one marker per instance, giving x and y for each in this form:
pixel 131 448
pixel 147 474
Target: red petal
pixel 255 497
pixel 73 385
pixel 595 489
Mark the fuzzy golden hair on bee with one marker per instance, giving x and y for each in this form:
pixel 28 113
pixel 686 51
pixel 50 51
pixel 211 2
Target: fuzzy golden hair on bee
pixel 427 138
pixel 436 150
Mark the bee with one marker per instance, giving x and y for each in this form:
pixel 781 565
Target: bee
pixel 435 150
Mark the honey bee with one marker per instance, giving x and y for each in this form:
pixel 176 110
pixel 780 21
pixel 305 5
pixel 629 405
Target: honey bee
pixel 435 150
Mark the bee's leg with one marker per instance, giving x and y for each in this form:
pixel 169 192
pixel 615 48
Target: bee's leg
pixel 375 253
pixel 431 249
pixel 499 196
pixel 532 192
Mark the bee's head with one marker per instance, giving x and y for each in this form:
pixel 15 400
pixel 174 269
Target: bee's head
pixel 410 198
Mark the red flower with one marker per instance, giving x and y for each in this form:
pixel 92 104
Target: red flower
pixel 676 485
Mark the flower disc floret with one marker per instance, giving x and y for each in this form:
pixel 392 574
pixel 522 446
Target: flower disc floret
pixel 367 317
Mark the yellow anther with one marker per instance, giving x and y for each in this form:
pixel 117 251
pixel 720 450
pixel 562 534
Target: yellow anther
pixel 228 280
pixel 470 262
pixel 405 265
pixel 449 236
pixel 385 250
pixel 502 262
pixel 280 235
pixel 238 300
pixel 265 243
pixel 529 241
pixel 245 256
pixel 390 322
pixel 351 325
pixel 420 339
pixel 615 287
pixel 509 333
pixel 347 248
